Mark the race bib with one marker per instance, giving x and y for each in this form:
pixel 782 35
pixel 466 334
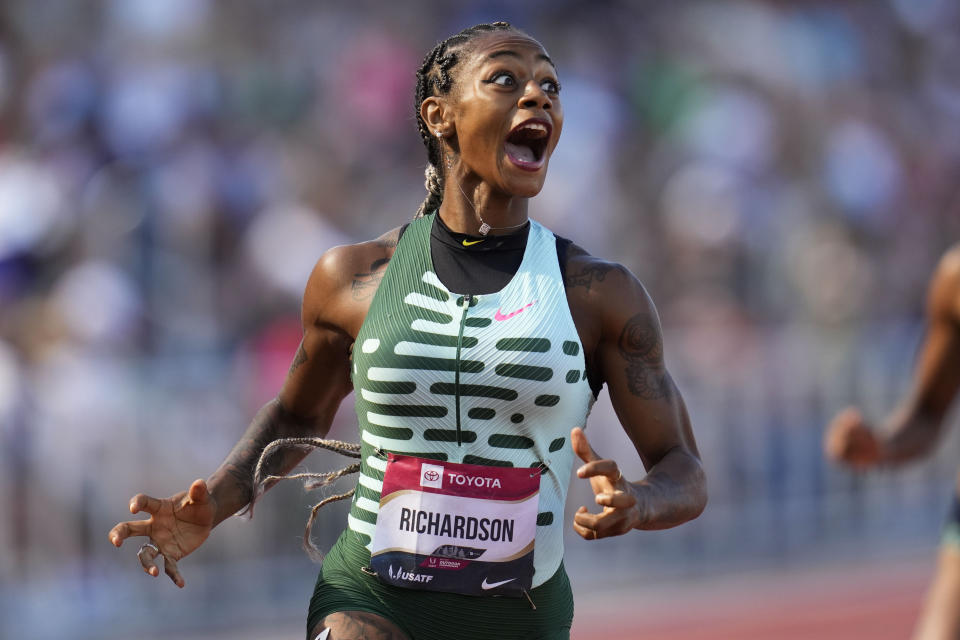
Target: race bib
pixel 460 528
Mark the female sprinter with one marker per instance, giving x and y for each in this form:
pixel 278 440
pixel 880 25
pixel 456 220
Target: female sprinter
pixel 912 431
pixel 476 342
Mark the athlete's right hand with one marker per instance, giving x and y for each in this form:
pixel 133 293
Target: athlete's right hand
pixel 849 440
pixel 177 525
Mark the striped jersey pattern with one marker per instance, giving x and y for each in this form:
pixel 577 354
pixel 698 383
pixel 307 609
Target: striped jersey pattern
pixel 518 390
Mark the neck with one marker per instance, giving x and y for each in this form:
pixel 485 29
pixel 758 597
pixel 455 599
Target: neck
pixel 466 202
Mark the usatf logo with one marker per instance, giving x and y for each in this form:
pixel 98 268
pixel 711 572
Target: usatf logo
pixel 431 475
pixel 412 576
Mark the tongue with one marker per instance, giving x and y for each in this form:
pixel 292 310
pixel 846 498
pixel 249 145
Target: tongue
pixel 520 152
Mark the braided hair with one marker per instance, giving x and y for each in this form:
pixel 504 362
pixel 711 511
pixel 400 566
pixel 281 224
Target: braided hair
pixel 434 79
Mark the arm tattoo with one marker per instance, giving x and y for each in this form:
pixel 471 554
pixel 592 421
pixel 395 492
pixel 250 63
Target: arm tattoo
pixel 364 285
pixel 592 271
pixel 299 359
pixel 641 346
pixel 270 423
pixel 590 274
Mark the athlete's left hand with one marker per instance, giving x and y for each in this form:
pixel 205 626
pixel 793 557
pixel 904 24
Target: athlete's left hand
pixel 611 491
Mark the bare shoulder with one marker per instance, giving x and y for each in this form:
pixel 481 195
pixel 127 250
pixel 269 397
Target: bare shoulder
pixel 587 273
pixel 944 296
pixel 341 263
pixel 604 295
pixel 591 279
pixel 344 280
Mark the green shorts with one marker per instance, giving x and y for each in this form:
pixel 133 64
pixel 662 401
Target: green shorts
pixel 432 615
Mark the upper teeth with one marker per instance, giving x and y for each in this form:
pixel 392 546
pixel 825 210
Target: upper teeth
pixel 534 126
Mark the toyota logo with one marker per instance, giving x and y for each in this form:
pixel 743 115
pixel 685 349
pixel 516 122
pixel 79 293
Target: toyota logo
pixel 431 475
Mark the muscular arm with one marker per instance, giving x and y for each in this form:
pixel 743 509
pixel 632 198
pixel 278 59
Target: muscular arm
pixel 913 428
pixel 628 354
pixel 334 304
pixel 300 410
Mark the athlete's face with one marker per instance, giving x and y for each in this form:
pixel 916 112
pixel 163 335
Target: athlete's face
pixel 506 102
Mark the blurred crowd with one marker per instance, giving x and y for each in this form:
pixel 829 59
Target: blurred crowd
pixel 782 176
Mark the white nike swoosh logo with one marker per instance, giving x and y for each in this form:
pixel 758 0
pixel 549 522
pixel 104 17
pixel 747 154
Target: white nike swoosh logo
pixel 488 585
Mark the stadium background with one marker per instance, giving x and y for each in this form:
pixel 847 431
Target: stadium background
pixel 781 175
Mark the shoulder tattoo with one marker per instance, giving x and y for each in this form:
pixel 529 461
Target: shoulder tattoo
pixel 364 285
pixel 588 275
pixel 641 347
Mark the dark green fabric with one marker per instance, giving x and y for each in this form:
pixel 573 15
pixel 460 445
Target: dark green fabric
pixel 430 615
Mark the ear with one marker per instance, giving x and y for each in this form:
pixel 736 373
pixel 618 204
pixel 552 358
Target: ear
pixel 435 112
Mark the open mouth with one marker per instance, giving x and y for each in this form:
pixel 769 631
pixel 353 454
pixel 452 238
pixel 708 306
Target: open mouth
pixel 526 144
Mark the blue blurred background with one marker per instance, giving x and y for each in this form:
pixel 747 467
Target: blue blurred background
pixel 782 176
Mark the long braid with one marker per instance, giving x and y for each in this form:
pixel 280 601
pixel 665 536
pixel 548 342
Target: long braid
pixel 434 79
pixel 311 481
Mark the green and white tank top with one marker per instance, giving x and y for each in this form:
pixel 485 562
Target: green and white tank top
pixel 495 379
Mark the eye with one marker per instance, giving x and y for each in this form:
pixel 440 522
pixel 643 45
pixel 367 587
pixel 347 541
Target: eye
pixel 503 79
pixel 550 86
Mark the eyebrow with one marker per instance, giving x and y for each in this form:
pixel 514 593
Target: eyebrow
pixel 508 52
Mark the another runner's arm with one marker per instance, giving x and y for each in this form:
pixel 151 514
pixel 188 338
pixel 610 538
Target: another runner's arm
pixel 914 427
pixel 318 380
pixel 648 404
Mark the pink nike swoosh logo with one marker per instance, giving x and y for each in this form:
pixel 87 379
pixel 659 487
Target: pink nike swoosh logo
pixel 500 317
